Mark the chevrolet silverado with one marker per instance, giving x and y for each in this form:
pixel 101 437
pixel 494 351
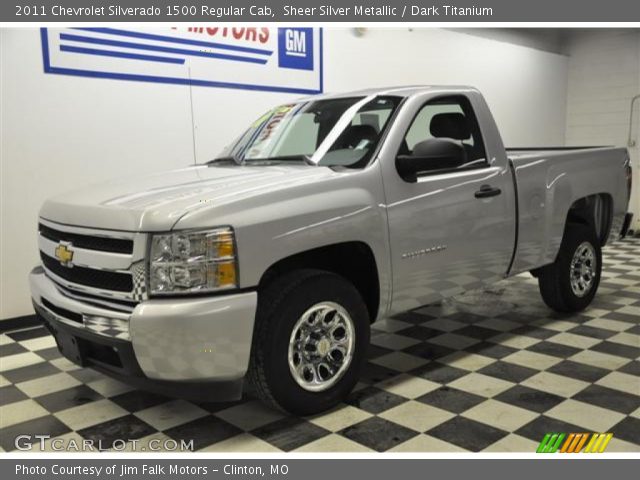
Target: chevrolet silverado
pixel 269 263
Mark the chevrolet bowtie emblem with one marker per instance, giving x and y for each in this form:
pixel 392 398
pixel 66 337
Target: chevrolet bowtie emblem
pixel 64 254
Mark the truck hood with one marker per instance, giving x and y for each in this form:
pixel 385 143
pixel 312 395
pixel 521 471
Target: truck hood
pixel 156 202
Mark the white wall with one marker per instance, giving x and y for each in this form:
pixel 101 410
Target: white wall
pixel 58 132
pixel 546 39
pixel 604 74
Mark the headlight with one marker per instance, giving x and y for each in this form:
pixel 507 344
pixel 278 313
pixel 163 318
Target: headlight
pixel 192 261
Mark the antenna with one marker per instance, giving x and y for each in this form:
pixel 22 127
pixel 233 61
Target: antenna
pixel 193 122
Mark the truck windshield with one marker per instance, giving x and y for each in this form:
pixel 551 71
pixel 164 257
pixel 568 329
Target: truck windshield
pixel 331 132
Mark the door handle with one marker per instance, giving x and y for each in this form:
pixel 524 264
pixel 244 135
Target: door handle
pixel 487 191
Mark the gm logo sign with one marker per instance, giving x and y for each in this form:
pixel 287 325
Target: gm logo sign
pixel 295 48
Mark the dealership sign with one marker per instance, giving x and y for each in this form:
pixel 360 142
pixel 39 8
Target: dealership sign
pixel 285 59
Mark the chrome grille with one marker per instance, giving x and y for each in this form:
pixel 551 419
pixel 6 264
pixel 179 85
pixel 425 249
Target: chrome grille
pixel 102 279
pixel 105 264
pixel 89 242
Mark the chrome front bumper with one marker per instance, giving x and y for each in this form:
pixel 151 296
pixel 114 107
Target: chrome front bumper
pixel 183 340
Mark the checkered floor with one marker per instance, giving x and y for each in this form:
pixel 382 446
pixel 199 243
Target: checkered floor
pixel 492 370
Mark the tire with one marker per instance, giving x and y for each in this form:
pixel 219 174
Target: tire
pixel 281 308
pixel 555 280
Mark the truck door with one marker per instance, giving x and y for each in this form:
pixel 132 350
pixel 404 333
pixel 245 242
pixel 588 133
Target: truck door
pixel 451 229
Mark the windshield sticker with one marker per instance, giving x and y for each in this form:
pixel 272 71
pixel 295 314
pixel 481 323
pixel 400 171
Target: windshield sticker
pixel 262 119
pixel 273 122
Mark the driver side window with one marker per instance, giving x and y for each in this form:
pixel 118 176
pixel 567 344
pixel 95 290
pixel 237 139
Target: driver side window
pixel 451 118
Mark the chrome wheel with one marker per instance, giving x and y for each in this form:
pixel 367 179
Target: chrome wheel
pixel 583 269
pixel 321 346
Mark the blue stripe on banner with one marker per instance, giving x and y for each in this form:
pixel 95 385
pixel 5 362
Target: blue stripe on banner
pixel 176 81
pixel 184 41
pixel 44 39
pixel 157 48
pixel 111 53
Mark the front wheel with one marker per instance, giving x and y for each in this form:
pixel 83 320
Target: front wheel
pixel 570 283
pixel 310 341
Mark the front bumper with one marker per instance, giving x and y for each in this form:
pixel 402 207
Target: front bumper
pixel 191 347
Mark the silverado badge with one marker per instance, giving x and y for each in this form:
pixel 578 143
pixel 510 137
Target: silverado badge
pixel 64 254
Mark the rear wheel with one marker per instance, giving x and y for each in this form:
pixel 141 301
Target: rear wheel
pixel 570 283
pixel 311 336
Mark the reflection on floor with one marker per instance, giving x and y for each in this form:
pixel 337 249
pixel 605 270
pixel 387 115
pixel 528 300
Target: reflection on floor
pixel 492 370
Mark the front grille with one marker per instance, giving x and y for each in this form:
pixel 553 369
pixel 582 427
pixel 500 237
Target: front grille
pixel 63 312
pixel 105 280
pixel 89 242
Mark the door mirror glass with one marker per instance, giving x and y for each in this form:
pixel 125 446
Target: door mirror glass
pixel 429 156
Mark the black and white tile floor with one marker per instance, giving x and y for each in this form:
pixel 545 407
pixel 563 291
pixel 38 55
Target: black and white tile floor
pixel 491 370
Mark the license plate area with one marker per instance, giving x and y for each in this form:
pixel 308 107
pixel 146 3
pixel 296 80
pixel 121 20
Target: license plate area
pixel 70 347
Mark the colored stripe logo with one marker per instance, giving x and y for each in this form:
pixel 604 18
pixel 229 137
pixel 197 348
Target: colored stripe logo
pixel 574 442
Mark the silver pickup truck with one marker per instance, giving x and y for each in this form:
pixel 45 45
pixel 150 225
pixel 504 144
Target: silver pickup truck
pixel 270 262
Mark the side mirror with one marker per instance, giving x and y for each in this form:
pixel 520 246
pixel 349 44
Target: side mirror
pixel 430 155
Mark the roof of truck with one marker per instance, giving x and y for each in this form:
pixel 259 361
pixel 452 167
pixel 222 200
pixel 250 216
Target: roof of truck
pixel 400 91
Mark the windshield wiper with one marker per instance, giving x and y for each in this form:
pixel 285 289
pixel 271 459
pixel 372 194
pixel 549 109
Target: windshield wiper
pixel 282 158
pixel 226 159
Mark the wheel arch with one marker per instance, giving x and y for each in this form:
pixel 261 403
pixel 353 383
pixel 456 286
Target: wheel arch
pixel 594 210
pixel 354 260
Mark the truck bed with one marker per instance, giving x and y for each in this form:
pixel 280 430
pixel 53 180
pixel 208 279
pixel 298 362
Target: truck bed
pixel 548 182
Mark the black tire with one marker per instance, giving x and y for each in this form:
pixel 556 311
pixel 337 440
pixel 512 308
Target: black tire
pixel 555 280
pixel 280 305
